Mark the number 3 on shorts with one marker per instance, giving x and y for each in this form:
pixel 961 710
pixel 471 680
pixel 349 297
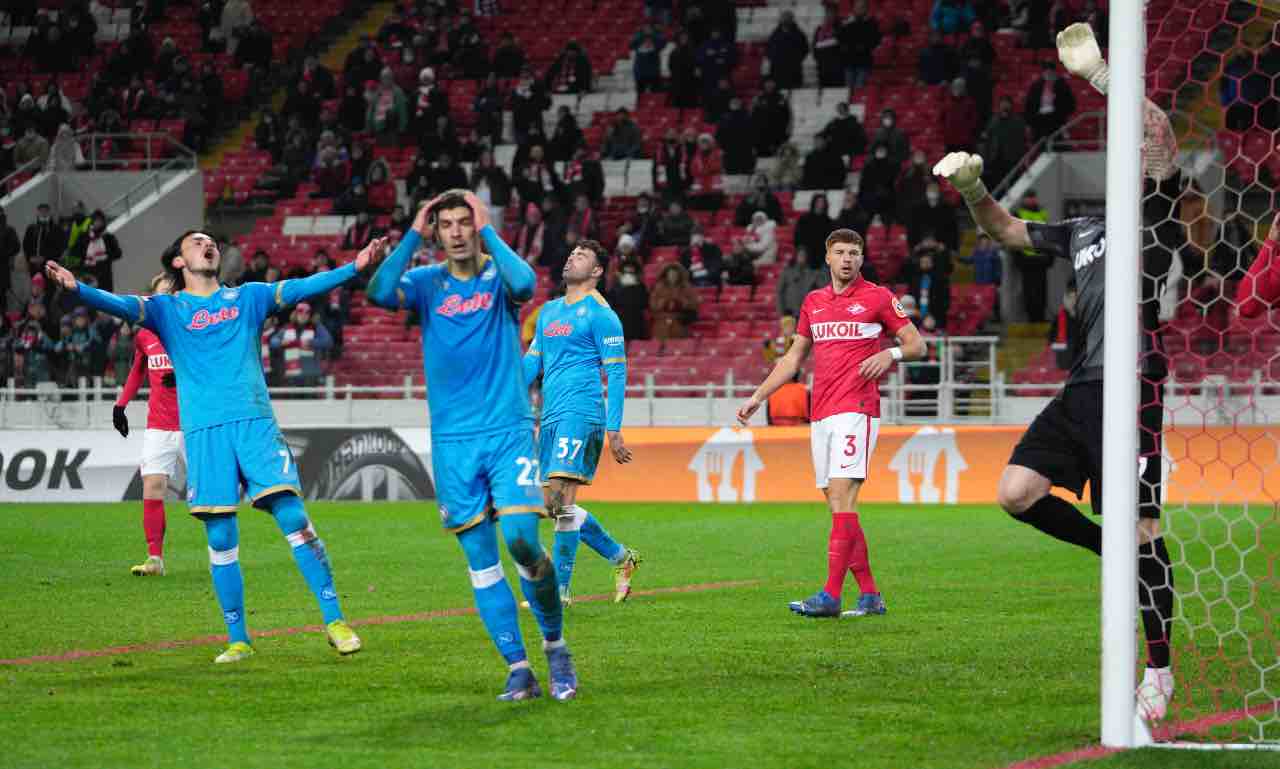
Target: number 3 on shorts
pixel 851 445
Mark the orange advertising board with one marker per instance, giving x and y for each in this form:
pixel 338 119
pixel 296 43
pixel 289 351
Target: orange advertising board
pixel 929 464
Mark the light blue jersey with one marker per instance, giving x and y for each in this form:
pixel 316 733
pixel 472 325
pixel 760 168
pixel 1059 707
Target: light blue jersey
pixel 470 337
pixel 214 342
pixel 573 341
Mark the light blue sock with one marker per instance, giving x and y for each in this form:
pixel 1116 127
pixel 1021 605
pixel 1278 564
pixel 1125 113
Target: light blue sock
pixel 537 574
pixel 495 603
pixel 599 540
pixel 308 553
pixel 565 547
pixel 223 532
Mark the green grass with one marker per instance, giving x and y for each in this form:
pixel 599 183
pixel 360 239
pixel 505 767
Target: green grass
pixel 989 654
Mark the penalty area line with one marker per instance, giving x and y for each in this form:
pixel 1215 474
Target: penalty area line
pixel 1162 734
pixel 389 619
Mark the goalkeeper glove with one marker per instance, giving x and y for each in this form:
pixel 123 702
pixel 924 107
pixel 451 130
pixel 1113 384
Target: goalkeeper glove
pixel 168 380
pixel 964 171
pixel 1080 54
pixel 120 421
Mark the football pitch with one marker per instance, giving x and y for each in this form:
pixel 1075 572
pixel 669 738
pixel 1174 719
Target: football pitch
pixel 988 656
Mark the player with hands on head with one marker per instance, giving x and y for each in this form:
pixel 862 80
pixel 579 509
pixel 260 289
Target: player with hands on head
pixel 163 450
pixel 211 334
pixel 1063 445
pixel 482 445
pixel 843 324
pixel 576 336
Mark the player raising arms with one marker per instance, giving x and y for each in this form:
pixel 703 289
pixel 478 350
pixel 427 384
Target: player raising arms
pixel 576 335
pixel 212 336
pixel 162 445
pixel 482 450
pixel 843 323
pixel 1063 445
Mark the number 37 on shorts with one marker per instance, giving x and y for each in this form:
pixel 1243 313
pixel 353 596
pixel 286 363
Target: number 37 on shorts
pixel 842 445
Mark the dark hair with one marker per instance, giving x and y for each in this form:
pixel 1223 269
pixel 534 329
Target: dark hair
pixel 601 253
pixel 846 236
pixel 173 252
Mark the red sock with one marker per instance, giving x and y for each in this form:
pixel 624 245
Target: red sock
pixel 839 545
pixel 859 562
pixel 153 525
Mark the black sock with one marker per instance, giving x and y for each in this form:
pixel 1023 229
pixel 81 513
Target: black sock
pixel 1155 600
pixel 1060 519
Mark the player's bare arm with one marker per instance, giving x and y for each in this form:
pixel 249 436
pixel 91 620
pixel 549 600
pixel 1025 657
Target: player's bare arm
pixel 964 171
pixel 372 253
pixel 61 275
pixel 783 371
pixel 910 345
pixel 618 447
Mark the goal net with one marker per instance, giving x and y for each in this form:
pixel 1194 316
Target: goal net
pixel 1214 67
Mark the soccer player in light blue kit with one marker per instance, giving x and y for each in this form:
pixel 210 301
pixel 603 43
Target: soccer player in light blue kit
pixel 482 452
pixel 576 335
pixel 212 335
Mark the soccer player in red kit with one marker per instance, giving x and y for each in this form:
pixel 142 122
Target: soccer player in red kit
pixel 1260 289
pixel 843 323
pixel 162 444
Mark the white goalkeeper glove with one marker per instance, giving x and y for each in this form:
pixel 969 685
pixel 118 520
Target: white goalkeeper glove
pixel 964 171
pixel 1081 55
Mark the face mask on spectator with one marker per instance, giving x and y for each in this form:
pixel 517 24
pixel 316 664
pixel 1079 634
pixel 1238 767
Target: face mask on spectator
pixel 628 279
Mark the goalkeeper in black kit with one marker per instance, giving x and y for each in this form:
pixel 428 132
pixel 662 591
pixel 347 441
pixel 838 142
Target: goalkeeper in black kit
pixel 1063 445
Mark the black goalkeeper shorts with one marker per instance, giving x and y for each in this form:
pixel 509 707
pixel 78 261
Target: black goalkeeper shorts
pixel 1064 444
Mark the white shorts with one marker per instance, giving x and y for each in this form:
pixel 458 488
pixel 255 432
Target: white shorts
pixel 163 452
pixel 842 446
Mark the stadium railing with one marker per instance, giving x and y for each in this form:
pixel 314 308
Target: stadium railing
pixel 1069 138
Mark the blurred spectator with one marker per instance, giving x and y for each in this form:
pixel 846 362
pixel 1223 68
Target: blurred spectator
pixel 641 226
pixel 859 37
pixel 912 185
pixel 844 133
pixel 851 217
pixel 32 147
pixel 319 77
pixel 360 159
pixel 630 299
pixel 673 304
pixel 381 188
pixel 979 86
pixel 363 63
pixel 798 277
pixel 776 346
pixel 1033 264
pixel 771 117
pixel 938 62
pixel 398 224
pixel 824 167
pixel 706 168
pixel 487 108
pixel 827 50
pixel 961 126
pixel 430 103
pixel 1004 144
pixel 933 218
pixel 353 200
pixel 740 267
pixel 54 109
pixel 97 251
pixel 534 239
pixel 951 17
pixel 760 198
pixel 269 137
pixel 302 103
pixel 624 140
pixel 439 139
pixel 236 16
pixel 10 247
pixel 120 352
pixel 566 136
pixel 987 267
pixel 669 167
pixel 527 103
pixel 676 226
pixel 257 270
pixel 492 185
pixel 508 58
pixel 735 137
pixel 928 280
pixel 571 71
pixel 255 48
pixel 627 249
pixel 353 108
pixel 717 100
pixel 388 114
pixel 76 344
pixel 32 347
pixel 876 192
pixel 25 116
pixel 682 63
pixel 893 138
pixel 1049 103
pixel 788 169
pixel 302 340
pixel 659 10
pixel 583 220
pixel 813 227
pixel 760 239
pixel 786 52
pixel 446 174
pixel 536 179
pixel 584 175
pixel 646 47
pixel 43 240
pixel 704 260
pixel 715 59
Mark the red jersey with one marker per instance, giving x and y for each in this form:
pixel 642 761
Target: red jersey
pixel 1261 287
pixel 162 407
pixel 846 330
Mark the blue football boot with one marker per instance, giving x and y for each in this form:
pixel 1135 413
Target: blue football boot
pixel 522 684
pixel 868 603
pixel 820 604
pixel 564 678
